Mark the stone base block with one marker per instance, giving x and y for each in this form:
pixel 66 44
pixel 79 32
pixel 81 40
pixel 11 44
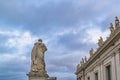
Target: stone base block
pixel 37 78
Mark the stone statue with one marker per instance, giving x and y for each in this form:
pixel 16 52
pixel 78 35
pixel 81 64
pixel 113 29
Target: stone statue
pixel 100 42
pixel 82 60
pixel 85 59
pixel 91 52
pixel 111 28
pixel 37 57
pixel 38 71
pixel 117 22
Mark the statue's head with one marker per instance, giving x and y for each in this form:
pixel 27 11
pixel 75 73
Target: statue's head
pixel 39 40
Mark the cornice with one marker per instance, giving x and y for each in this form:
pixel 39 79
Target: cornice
pixel 106 45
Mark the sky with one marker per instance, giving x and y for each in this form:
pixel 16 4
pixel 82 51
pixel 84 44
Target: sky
pixel 69 29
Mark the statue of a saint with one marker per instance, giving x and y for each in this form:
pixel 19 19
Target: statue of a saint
pixel 111 28
pixel 37 57
pixel 85 59
pixel 91 52
pixel 100 42
pixel 117 22
pixel 82 60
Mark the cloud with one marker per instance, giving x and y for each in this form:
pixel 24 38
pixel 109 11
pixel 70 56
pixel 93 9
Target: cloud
pixel 48 15
pixel 21 40
pixel 19 43
pixel 93 37
pixel 74 45
pixel 18 40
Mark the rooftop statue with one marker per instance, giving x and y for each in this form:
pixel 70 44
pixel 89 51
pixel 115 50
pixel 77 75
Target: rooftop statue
pixel 117 24
pixel 85 59
pixel 78 66
pixel 91 52
pixel 100 42
pixel 82 61
pixel 37 57
pixel 111 28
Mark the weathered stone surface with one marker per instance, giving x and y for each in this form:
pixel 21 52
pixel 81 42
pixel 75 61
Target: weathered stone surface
pixel 37 74
pixel 37 57
pixel 38 71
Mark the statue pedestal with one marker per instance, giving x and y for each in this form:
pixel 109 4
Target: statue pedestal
pixel 37 76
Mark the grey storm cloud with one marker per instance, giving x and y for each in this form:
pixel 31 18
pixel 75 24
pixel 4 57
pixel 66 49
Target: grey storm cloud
pixel 71 41
pixel 51 15
pixel 43 18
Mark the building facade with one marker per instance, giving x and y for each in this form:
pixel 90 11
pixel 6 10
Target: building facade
pixel 104 63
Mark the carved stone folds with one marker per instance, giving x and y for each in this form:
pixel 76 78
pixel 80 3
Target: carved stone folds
pixel 38 71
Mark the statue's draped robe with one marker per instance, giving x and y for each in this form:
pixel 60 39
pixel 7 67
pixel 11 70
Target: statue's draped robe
pixel 37 57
